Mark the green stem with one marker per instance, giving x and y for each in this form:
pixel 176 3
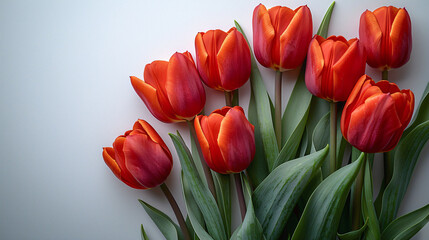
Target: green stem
pixel 388 164
pixel 278 109
pixel 207 173
pixel 176 211
pixel 333 138
pixel 357 212
pixel 385 74
pixel 228 98
pixel 239 188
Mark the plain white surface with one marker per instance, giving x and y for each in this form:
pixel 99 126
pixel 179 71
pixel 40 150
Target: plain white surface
pixel 65 93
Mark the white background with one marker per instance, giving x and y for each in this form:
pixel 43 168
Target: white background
pixel 65 93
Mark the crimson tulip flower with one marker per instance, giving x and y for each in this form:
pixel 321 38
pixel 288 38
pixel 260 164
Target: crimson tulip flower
pixel 172 91
pixel 139 158
pixel 386 36
pixel 333 67
pixel 281 36
pixel 223 59
pixel 227 139
pixel 376 114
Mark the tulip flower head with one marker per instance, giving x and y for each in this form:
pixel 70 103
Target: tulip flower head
pixel 376 114
pixel 333 67
pixel 227 139
pixel 172 91
pixel 281 36
pixel 386 36
pixel 139 158
pixel 223 59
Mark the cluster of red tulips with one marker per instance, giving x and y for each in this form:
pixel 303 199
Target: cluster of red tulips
pixel 373 118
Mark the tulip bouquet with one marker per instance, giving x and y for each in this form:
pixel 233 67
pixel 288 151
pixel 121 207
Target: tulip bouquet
pixel 302 173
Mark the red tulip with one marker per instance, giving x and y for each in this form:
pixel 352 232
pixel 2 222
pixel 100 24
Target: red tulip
pixel 139 158
pixel 223 59
pixel 227 139
pixel 333 67
pixel 172 91
pixel 281 36
pixel 386 36
pixel 376 114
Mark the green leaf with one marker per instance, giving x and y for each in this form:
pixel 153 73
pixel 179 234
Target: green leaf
pixel 196 157
pixel 407 226
pixel 200 192
pixel 262 103
pixel 368 210
pixel 194 214
pixel 294 120
pixel 422 112
pixel 223 193
pixel 250 229
pixel 406 155
pixel 320 138
pixel 324 25
pixel 318 109
pixel 324 208
pixel 277 195
pixel 353 235
pixel 258 169
pixel 143 233
pixel 168 228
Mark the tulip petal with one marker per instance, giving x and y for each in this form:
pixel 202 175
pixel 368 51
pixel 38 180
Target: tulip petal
pixel 295 39
pixel 155 74
pixel 184 88
pixel 280 19
pixel 314 68
pixel 211 127
pixel 401 40
pixel 347 71
pixel 236 141
pixel 109 159
pixel 149 96
pixel 370 35
pixel 146 160
pixel 233 61
pixel 351 103
pixel 202 60
pixel 373 124
pixel 204 144
pixel 121 174
pixel 263 35
pixel 150 131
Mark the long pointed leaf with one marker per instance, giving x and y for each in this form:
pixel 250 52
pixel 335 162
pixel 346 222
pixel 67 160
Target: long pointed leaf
pixel 324 208
pixel 143 233
pixel 168 228
pixel 194 214
pixel 263 108
pixel 250 229
pixel 223 193
pixel 407 226
pixel 353 235
pixel 200 192
pixel 258 169
pixel 406 155
pixel 277 195
pixel 368 210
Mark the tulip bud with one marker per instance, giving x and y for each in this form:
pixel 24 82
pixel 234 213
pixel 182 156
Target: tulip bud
pixel 139 158
pixel 333 67
pixel 172 91
pixel 223 59
pixel 376 114
pixel 386 36
pixel 227 139
pixel 281 36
